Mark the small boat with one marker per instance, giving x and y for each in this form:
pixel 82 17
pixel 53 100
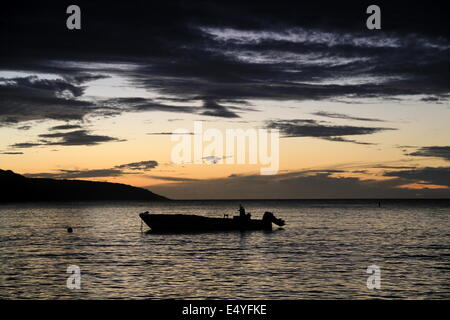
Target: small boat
pixel 177 223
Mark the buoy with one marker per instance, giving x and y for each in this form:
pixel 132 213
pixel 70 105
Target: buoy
pixel 69 230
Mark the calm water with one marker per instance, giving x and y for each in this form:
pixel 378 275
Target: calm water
pixel 323 252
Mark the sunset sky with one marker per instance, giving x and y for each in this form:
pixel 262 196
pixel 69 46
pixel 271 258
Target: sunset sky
pixel 362 113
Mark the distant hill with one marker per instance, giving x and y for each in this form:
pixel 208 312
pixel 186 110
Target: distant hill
pixel 17 188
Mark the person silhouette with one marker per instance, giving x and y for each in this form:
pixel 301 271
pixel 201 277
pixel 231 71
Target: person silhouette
pixel 241 211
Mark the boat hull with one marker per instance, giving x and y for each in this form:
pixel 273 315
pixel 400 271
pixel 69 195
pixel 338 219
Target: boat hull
pixel 195 223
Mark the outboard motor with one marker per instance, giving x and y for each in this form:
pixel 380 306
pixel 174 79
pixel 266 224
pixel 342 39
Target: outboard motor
pixel 269 217
pixel 143 214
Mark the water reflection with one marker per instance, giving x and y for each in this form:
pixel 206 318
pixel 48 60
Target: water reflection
pixel 323 252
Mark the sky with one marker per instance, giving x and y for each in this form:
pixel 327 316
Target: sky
pixel 361 113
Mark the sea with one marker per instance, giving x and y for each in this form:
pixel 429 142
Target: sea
pixel 328 249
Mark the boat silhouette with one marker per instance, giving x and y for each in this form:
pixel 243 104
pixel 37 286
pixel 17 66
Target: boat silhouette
pixel 194 223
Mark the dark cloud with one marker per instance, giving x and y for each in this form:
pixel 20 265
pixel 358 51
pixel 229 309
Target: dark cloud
pixel 57 86
pixel 294 185
pixel 174 179
pixel 433 151
pixel 12 153
pixel 344 116
pixel 212 108
pixel 32 98
pixel 218 54
pixel 136 104
pixel 25 145
pixel 117 171
pixel 75 174
pixel 66 127
pixel 313 128
pixel 83 78
pixel 261 64
pixel 393 167
pixel 329 171
pixel 340 139
pixel 24 128
pixel 437 100
pixel 76 138
pixel 359 171
pixel 438 176
pixel 142 165
pixel 71 138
